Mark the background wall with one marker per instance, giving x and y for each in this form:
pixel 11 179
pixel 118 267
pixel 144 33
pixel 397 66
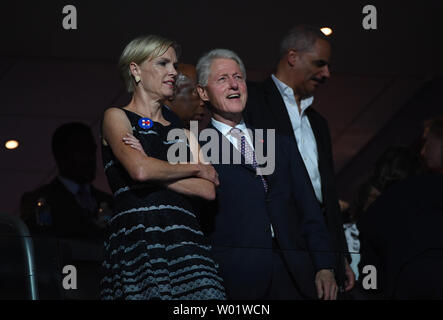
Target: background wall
pixel 384 82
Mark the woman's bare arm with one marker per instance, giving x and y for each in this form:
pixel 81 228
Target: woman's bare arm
pixel 139 166
pixel 189 186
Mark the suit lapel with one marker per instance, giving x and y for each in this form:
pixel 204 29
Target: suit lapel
pixel 321 152
pixel 316 129
pixel 277 107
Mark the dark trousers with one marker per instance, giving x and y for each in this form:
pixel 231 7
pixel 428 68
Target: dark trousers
pixel 282 286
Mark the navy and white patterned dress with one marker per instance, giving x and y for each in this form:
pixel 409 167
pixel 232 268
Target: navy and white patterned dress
pixel 154 247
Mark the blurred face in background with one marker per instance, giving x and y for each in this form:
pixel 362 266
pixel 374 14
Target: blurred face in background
pixel 78 159
pixel 186 102
pixel 432 152
pixel 372 196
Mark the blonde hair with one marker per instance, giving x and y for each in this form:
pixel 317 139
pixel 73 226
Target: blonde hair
pixel 141 49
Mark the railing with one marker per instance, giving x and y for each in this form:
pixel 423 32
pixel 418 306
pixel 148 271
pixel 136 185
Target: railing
pixel 22 232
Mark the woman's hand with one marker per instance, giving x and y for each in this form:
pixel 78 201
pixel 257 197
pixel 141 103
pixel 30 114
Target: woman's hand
pixel 207 172
pixel 133 142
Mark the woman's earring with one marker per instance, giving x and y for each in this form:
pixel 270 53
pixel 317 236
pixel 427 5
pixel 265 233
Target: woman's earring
pixel 137 79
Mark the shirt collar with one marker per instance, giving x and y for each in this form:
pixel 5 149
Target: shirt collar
pixel 224 128
pixel 287 91
pixel 71 185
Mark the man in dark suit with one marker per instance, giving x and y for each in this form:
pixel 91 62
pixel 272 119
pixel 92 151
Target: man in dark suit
pixel 69 206
pixel 400 236
pixel 67 217
pixel 267 231
pixel 283 102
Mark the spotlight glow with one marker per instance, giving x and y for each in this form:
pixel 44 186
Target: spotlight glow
pixel 326 31
pixel 11 144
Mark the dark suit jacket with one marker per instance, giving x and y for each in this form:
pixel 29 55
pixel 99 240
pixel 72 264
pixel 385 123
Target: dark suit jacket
pixel 69 240
pixel 238 224
pixel 69 219
pixel 401 235
pixel 265 108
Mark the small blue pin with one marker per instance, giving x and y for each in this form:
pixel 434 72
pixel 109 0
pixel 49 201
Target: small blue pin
pixel 145 123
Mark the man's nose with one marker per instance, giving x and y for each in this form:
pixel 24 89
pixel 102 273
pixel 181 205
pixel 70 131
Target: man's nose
pixel 326 73
pixel 233 83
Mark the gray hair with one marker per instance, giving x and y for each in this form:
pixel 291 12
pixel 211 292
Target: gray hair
pixel 183 86
pixel 182 82
pixel 203 67
pixel 301 38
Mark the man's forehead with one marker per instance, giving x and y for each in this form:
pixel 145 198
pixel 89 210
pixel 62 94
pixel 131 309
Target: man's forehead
pixel 321 50
pixel 322 47
pixel 224 65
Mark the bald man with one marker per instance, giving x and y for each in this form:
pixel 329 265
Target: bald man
pixel 186 103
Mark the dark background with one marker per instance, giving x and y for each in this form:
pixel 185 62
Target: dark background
pixel 385 82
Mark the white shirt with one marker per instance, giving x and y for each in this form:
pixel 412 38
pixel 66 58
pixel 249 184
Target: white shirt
pixel 225 130
pixel 303 133
pixel 351 234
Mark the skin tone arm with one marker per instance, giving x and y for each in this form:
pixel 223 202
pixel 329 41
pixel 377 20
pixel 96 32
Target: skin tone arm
pixel 350 276
pixel 143 168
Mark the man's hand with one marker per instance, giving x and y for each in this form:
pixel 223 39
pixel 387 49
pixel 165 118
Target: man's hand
pixel 343 205
pixel 350 276
pixel 326 286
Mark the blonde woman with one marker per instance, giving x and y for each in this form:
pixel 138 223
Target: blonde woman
pixel 154 248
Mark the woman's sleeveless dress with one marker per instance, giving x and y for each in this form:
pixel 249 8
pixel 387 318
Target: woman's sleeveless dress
pixel 154 248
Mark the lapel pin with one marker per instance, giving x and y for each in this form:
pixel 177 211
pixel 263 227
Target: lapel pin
pixel 145 123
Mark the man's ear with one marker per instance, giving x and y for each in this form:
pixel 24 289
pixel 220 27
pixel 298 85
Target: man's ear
pixel 202 93
pixel 292 57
